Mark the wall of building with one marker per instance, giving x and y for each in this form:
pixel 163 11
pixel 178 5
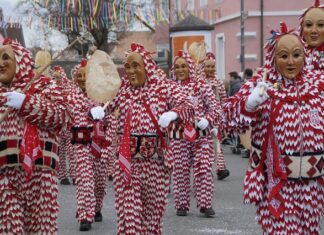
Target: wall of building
pixel 229 24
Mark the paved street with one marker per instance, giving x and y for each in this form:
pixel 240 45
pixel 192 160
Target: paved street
pixel 232 217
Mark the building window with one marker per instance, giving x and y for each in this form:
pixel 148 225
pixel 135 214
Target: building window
pixel 220 55
pixel 191 5
pixel 203 3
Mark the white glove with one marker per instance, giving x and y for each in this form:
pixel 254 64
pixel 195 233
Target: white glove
pixel 14 99
pixel 214 132
pixel 203 124
pixel 166 118
pixel 97 113
pixel 255 99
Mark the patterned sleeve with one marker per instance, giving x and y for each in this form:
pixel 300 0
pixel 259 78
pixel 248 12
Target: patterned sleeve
pixel 179 102
pixel 212 105
pixel 237 118
pixel 46 108
pixel 221 90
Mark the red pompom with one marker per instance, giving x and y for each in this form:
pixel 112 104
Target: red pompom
pixel 135 46
pixel 180 53
pixel 283 27
pixel 7 41
pixel 210 55
pixel 317 3
pixel 57 68
pixel 83 62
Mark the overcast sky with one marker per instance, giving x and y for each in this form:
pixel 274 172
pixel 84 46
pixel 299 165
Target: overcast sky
pixel 7 6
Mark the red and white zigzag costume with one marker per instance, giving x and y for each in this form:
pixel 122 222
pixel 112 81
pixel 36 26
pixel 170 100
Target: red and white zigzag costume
pixel 141 204
pixel 314 55
pixel 285 178
pixel 65 147
pixel 91 172
pixel 198 154
pixel 220 93
pixel 30 206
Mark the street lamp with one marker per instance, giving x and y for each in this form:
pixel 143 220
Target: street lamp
pixel 242 55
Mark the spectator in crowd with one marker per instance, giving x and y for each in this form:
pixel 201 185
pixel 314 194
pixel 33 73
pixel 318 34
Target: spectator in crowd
pixel 235 83
pixel 248 73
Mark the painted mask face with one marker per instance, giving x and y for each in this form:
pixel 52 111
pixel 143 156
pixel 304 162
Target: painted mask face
pixel 289 56
pixel 313 27
pixel 210 68
pixel 135 69
pixel 81 78
pixel 7 64
pixel 57 77
pixel 181 69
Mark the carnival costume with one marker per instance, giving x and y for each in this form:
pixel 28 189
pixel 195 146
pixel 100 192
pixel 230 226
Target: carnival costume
pixel 285 176
pixel 220 93
pixel 29 149
pixel 142 173
pixel 65 147
pixel 91 173
pixel 194 152
pixel 314 55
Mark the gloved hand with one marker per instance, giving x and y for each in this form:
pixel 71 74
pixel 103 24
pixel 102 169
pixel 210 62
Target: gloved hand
pixel 203 124
pixel 214 132
pixel 255 99
pixel 97 113
pixel 166 118
pixel 14 99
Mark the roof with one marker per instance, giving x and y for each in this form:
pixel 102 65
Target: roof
pixel 191 23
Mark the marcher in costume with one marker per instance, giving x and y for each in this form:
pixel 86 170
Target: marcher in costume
pixel 90 169
pixel 59 76
pixel 101 173
pixel 285 178
pixel 312 33
pixel 220 93
pixel 142 173
pixel 29 140
pixel 191 151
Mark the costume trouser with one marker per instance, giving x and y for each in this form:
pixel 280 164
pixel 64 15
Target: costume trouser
pixel 85 196
pixel 111 160
pixel 140 206
pixel 220 161
pixel 72 161
pixel 28 207
pixel 100 177
pixel 197 155
pixel 304 206
pixel 64 153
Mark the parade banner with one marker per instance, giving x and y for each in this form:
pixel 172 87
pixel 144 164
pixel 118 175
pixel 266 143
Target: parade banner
pixel 83 15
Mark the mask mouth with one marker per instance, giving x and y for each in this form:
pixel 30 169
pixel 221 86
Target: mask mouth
pixel 2 70
pixel 314 37
pixel 291 69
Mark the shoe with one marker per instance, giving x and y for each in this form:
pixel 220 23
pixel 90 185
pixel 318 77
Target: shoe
pixel 226 141
pixel 181 212
pixel 246 153
pixel 85 225
pixel 65 181
pixel 209 212
pixel 98 216
pixel 110 178
pixel 223 174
